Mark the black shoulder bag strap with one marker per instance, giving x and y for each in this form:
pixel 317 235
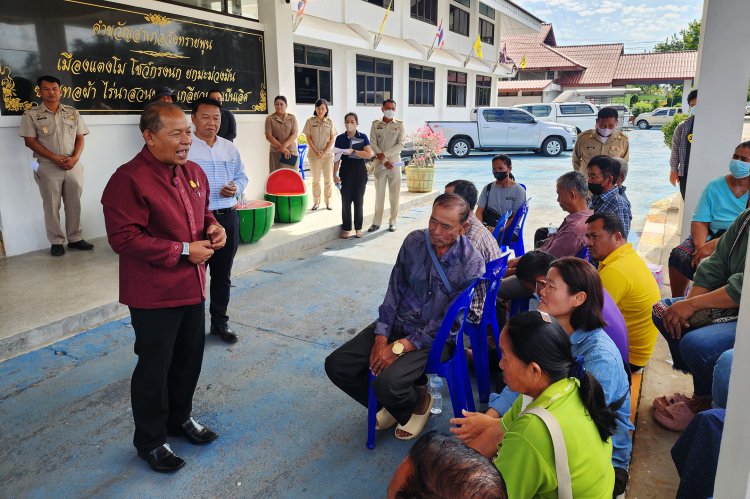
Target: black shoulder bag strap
pixel 436 262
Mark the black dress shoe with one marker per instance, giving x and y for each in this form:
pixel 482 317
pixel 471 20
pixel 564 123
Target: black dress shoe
pixel 373 228
pixel 225 333
pixel 57 250
pixel 196 433
pixel 81 245
pixel 162 459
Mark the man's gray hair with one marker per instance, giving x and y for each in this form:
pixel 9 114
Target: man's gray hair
pixel 151 116
pixel 623 167
pixel 574 181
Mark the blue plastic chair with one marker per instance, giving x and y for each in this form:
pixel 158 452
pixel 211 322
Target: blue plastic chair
pixel 302 152
pixel 501 225
pixel 513 237
pixel 455 370
pixel 584 254
pixel 518 306
pixel 477 333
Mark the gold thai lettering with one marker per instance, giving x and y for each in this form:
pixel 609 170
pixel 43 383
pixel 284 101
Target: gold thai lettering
pixel 213 75
pixel 190 94
pixel 135 94
pixel 239 96
pixel 68 62
pixel 77 94
pixel 171 39
pixel 149 70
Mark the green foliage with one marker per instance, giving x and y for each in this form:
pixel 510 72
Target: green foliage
pixel 633 100
pixel 668 129
pixel 643 107
pixel 686 39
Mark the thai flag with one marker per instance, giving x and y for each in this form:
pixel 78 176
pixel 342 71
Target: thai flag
pixel 301 6
pixel 440 35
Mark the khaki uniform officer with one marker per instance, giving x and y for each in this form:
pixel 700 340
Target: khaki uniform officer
pixel 387 137
pixel 55 133
pixel 281 132
pixel 320 133
pixel 604 140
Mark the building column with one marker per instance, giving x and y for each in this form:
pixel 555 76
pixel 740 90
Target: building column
pixel 722 79
pixel 276 16
pixel 686 88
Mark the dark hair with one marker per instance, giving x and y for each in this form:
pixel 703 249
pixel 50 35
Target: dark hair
pixel 579 275
pixel 504 158
pixel 692 95
pixel 214 90
pixel 48 79
pixel 538 337
pixel 607 112
pixel 206 101
pixel 612 222
pixel 446 468
pixel 744 145
pixel 466 190
pixel 280 97
pixel 532 264
pixel 356 118
pixel 389 100
pixel 319 103
pixel 151 115
pixel 450 200
pixel 608 166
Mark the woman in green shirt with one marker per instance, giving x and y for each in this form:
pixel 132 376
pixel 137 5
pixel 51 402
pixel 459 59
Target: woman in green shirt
pixel 537 362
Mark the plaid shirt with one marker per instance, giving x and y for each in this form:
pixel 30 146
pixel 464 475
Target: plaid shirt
pixel 482 240
pixel 679 147
pixel 616 203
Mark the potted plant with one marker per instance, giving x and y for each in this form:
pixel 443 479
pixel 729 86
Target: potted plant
pixel 420 172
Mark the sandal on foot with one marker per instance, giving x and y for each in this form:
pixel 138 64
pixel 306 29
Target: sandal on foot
pixel 384 419
pixel 346 234
pixel 416 423
pixel 661 403
pixel 675 417
pixel 359 234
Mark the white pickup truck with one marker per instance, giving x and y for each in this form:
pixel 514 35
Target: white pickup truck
pixel 581 115
pixel 507 128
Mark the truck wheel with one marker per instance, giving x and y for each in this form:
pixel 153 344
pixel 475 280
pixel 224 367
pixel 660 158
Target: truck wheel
pixel 552 146
pixel 459 148
pixel 643 125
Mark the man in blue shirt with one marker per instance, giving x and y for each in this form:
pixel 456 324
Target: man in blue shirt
pixel 395 348
pixel 603 173
pixel 225 171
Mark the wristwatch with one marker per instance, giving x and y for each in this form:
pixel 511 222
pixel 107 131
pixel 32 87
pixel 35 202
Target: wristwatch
pixel 185 249
pixel 397 348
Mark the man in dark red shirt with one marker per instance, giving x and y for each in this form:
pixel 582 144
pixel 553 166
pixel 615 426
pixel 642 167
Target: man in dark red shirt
pixel 157 218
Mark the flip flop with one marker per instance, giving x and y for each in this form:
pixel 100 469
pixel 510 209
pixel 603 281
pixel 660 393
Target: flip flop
pixel 416 423
pixel 675 417
pixel 661 403
pixel 384 419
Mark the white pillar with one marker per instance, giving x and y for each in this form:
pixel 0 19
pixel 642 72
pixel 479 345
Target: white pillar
pixel 686 88
pixel 276 16
pixel 722 81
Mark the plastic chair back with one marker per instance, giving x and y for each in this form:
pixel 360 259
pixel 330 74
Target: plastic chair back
pixel 500 225
pixel 301 153
pixel 584 254
pixel 513 237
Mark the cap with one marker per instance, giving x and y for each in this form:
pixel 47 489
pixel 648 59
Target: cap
pixel 162 91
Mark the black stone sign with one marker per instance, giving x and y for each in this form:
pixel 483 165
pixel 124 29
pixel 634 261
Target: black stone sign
pixel 112 57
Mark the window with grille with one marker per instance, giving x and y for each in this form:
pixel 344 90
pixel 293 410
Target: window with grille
pixel 312 74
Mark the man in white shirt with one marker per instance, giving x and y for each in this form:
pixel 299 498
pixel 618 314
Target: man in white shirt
pixel 225 171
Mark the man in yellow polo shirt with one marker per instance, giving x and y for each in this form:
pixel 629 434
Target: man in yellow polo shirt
pixel 628 280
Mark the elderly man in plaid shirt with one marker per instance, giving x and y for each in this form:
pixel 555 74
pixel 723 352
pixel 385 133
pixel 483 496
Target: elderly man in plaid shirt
pixel 682 140
pixel 603 173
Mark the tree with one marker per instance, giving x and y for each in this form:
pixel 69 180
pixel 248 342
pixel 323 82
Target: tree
pixel 686 39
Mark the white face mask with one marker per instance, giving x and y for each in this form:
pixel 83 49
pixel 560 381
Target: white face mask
pixel 604 132
pixel 692 110
pixel 351 127
pixel 389 113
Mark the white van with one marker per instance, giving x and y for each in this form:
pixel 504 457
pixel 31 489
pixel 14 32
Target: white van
pixel 581 115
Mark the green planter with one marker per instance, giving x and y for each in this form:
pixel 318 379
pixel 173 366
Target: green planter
pixel 290 208
pixel 256 219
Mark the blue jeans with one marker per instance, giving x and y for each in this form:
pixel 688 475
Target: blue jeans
pixel 722 370
pixel 697 351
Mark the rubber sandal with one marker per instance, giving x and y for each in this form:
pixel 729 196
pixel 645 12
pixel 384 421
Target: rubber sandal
pixel 384 419
pixel 416 423
pixel 359 234
pixel 661 403
pixel 675 417
pixel 346 234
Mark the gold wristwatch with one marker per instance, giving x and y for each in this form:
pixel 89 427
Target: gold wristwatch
pixel 397 348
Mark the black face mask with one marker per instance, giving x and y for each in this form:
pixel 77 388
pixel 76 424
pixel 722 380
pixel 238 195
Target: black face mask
pixel 500 175
pixel 596 189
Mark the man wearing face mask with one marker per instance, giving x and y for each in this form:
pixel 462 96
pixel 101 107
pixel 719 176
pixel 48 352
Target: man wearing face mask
pixel 603 173
pixel 603 140
pixel 682 140
pixel 387 138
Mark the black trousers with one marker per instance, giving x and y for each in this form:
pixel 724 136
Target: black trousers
pixel 220 266
pixel 353 184
pixel 169 345
pixel 348 367
pixel 683 184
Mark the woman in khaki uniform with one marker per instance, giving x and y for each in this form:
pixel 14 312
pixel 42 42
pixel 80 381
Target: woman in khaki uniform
pixel 281 132
pixel 320 133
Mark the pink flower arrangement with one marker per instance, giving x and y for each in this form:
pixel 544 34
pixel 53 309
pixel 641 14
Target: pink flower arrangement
pixel 428 146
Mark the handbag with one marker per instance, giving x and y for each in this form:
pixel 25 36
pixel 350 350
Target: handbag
pixel 490 216
pixel 562 470
pixel 292 161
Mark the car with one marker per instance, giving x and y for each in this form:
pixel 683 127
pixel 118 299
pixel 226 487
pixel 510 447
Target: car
pixel 658 117
pixel 580 115
pixel 747 109
pixel 625 119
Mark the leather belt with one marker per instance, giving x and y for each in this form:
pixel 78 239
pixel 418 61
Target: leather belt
pixel 223 211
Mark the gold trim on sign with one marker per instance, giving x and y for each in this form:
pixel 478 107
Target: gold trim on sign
pixel 10 100
pixel 157 19
pixel 169 55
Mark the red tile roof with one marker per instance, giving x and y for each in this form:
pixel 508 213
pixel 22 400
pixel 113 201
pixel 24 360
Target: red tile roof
pixel 600 62
pixel 523 85
pixel 655 67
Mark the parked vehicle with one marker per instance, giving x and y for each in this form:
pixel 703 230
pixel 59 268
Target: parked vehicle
pixel 625 118
pixel 509 128
pixel 747 109
pixel 658 117
pixel 581 115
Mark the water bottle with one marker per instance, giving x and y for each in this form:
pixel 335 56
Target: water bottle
pixel 338 185
pixel 436 390
pixel 551 230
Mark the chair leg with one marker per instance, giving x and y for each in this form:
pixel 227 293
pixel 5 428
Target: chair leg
pixel 372 411
pixel 478 339
pixel 456 378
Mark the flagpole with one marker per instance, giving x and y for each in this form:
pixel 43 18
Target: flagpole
pixel 432 47
pixel 379 36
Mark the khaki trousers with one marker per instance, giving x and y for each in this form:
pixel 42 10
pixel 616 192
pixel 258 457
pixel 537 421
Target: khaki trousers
pixel 322 165
pixel 56 185
pixel 392 180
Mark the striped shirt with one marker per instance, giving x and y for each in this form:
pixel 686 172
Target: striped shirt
pixel 222 164
pixel 486 244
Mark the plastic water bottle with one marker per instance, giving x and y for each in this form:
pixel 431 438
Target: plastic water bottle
pixel 338 185
pixel 436 390
pixel 551 230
